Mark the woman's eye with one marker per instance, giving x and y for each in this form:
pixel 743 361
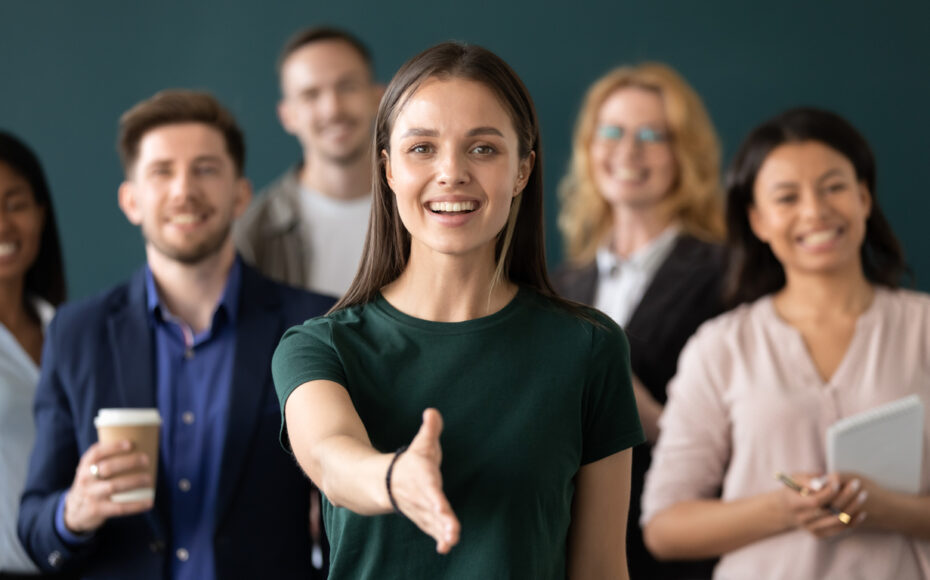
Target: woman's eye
pixel 484 150
pixel 836 187
pixel 786 199
pixel 16 206
pixel 421 148
pixel 206 170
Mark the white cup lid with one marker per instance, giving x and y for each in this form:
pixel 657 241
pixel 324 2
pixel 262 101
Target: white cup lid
pixel 122 417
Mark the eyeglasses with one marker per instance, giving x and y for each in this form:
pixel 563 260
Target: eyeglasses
pixel 643 135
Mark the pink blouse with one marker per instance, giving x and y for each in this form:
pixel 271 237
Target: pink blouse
pixel 748 401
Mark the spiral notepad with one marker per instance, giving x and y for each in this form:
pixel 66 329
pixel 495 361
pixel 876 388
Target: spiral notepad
pixel 884 444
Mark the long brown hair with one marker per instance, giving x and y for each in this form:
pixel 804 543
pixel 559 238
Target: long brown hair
pixel 754 271
pixel 695 200
pixel 520 249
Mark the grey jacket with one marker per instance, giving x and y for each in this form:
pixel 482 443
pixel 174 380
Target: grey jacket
pixel 269 236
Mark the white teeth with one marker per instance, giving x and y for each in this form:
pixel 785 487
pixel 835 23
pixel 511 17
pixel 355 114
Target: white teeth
pixel 185 219
pixel 819 237
pixel 629 173
pixel 452 206
pixel 8 249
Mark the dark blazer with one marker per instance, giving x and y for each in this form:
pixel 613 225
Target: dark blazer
pixel 686 291
pixel 100 353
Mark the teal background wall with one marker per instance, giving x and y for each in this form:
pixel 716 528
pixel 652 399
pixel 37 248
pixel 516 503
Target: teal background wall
pixel 68 69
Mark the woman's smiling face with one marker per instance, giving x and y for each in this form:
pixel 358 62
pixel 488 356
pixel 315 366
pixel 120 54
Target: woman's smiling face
pixel 810 208
pixel 21 223
pixel 454 166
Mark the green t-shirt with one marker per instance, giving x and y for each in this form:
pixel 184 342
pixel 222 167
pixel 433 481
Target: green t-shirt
pixel 527 396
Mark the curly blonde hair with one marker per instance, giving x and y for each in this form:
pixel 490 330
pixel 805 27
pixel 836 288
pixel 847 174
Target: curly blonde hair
pixel 696 200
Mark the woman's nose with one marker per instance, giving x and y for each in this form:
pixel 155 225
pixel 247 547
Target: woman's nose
pixel 453 170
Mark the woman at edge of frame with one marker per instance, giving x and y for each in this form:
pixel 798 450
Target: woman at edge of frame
pixel 32 285
pixel 820 331
pixel 461 419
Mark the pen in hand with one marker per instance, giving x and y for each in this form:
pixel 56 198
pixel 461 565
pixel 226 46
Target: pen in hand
pixel 785 479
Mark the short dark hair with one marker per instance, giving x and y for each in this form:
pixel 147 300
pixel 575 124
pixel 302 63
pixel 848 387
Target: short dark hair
pixel 175 106
pixel 313 34
pixel 753 269
pixel 46 277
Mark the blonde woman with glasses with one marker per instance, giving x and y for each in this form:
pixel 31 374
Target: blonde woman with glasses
pixel 641 218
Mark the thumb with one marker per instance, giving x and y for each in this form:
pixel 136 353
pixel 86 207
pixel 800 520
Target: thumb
pixel 428 435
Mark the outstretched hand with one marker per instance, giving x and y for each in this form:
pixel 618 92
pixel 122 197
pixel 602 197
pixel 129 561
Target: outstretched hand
pixel 416 484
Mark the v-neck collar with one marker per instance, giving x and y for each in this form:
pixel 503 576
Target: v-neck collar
pixel 803 354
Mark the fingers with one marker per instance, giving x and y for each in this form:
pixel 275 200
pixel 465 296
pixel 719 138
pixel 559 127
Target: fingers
pixel 426 441
pixel 115 465
pixel 435 517
pixel 417 485
pixel 828 524
pixel 851 497
pixel 447 527
pixel 430 429
pixel 106 469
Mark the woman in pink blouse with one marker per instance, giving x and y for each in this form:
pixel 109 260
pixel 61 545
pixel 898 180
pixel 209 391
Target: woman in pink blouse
pixel 822 333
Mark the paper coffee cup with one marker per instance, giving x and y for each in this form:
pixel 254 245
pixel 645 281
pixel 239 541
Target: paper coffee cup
pixel 140 426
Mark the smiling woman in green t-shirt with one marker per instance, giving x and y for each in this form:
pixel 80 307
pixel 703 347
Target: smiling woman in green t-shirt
pixel 451 396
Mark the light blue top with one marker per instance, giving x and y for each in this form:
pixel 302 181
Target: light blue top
pixel 19 376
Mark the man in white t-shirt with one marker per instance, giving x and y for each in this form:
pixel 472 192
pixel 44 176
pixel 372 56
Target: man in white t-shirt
pixel 307 228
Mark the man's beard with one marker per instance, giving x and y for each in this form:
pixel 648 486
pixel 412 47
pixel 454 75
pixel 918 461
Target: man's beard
pixel 348 157
pixel 196 254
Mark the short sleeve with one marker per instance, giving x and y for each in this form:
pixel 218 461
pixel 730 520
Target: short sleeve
pixel 693 451
pixel 305 353
pixel 611 420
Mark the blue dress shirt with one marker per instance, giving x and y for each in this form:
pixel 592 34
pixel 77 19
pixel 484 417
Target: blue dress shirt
pixel 193 382
pixel 194 377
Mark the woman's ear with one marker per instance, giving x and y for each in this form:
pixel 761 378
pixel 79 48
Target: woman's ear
pixel 386 160
pixel 524 170
pixel 866 198
pixel 757 223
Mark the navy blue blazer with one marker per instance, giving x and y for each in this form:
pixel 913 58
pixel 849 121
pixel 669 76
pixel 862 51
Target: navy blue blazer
pixel 99 353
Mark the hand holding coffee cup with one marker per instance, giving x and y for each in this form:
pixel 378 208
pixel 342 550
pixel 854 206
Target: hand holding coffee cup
pixel 115 476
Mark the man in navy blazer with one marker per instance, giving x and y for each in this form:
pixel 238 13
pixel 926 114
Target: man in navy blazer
pixel 191 334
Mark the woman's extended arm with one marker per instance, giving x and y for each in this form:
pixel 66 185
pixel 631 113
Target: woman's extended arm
pixel 597 537
pixel 332 445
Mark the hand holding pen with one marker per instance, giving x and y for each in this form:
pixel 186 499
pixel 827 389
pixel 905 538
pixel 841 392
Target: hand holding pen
pixel 822 505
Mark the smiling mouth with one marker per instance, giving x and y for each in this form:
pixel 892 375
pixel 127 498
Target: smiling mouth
pixel 452 207
pixel 821 237
pixel 8 249
pixel 630 174
pixel 186 219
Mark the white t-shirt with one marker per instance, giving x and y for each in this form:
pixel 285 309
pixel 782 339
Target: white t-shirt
pixel 336 232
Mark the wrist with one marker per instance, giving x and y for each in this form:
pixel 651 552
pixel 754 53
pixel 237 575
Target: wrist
pixel 775 512
pixel 388 480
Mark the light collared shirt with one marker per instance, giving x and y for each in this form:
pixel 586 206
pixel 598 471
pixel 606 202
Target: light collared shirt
pixel 19 377
pixel 621 282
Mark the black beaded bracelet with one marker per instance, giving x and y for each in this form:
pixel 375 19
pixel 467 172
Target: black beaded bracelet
pixel 387 479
